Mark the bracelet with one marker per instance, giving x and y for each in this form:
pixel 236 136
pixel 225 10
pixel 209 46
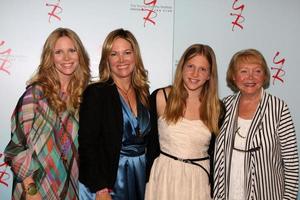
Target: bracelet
pixel 105 190
pixel 31 189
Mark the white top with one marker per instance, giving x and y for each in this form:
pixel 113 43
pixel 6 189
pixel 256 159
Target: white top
pixel 236 188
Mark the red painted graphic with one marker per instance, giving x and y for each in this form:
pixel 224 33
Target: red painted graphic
pixel 55 12
pixel 239 18
pixel 4 176
pixel 150 12
pixel 279 72
pixel 4 58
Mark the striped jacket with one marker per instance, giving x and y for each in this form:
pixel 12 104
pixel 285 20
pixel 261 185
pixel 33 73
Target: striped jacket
pixel 271 163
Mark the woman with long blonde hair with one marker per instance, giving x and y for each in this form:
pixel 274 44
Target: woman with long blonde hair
pixel 187 115
pixel 114 122
pixel 42 152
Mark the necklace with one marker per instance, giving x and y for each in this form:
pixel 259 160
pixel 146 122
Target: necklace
pixel 125 93
pixel 238 132
pixel 64 139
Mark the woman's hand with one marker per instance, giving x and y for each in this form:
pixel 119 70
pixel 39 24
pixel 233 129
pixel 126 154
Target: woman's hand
pixel 103 196
pixel 29 182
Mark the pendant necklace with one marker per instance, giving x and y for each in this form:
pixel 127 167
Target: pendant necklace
pixel 64 139
pixel 125 95
pixel 63 134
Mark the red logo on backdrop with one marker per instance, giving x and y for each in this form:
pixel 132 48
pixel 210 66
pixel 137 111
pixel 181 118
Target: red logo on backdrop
pixel 150 13
pixel 55 12
pixel 279 72
pixel 4 176
pixel 239 19
pixel 4 58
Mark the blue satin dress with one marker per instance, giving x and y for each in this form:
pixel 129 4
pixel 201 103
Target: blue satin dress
pixel 131 177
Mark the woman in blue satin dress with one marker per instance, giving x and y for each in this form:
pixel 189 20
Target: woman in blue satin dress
pixel 114 120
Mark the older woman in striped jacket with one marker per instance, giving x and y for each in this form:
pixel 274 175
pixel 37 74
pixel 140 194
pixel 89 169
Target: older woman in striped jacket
pixel 256 152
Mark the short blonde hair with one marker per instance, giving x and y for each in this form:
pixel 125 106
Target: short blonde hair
pixel 247 56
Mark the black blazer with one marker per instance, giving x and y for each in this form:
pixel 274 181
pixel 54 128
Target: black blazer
pixel 100 135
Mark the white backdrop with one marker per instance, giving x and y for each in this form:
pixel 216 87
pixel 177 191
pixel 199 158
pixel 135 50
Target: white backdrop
pixel 163 31
pixel 271 26
pixel 25 25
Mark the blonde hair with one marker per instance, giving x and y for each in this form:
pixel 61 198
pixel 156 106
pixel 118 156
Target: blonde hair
pixel 47 76
pixel 247 56
pixel 140 75
pixel 210 105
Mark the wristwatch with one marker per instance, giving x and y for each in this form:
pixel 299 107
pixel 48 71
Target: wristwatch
pixel 31 189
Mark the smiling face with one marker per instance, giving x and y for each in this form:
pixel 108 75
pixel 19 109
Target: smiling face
pixel 65 58
pixel 121 59
pixel 196 72
pixel 249 78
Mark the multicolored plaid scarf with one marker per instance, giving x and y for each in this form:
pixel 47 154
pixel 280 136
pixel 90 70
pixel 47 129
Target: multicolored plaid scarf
pixel 36 149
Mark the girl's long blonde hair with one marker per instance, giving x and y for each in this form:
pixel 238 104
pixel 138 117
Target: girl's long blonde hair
pixel 139 77
pixel 210 104
pixel 47 76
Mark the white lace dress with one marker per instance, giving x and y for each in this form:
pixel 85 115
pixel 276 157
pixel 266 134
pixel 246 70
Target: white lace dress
pixel 173 179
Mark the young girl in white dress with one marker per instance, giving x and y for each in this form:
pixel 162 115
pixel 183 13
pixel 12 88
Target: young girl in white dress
pixel 185 120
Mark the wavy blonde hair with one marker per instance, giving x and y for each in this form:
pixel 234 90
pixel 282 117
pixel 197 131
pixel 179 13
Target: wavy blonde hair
pixel 210 108
pixel 140 75
pixel 47 75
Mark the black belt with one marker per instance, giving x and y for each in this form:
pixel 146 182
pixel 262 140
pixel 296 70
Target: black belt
pixel 189 161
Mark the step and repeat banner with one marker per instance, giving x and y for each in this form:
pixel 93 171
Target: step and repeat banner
pixel 163 28
pixel 228 26
pixel 25 25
